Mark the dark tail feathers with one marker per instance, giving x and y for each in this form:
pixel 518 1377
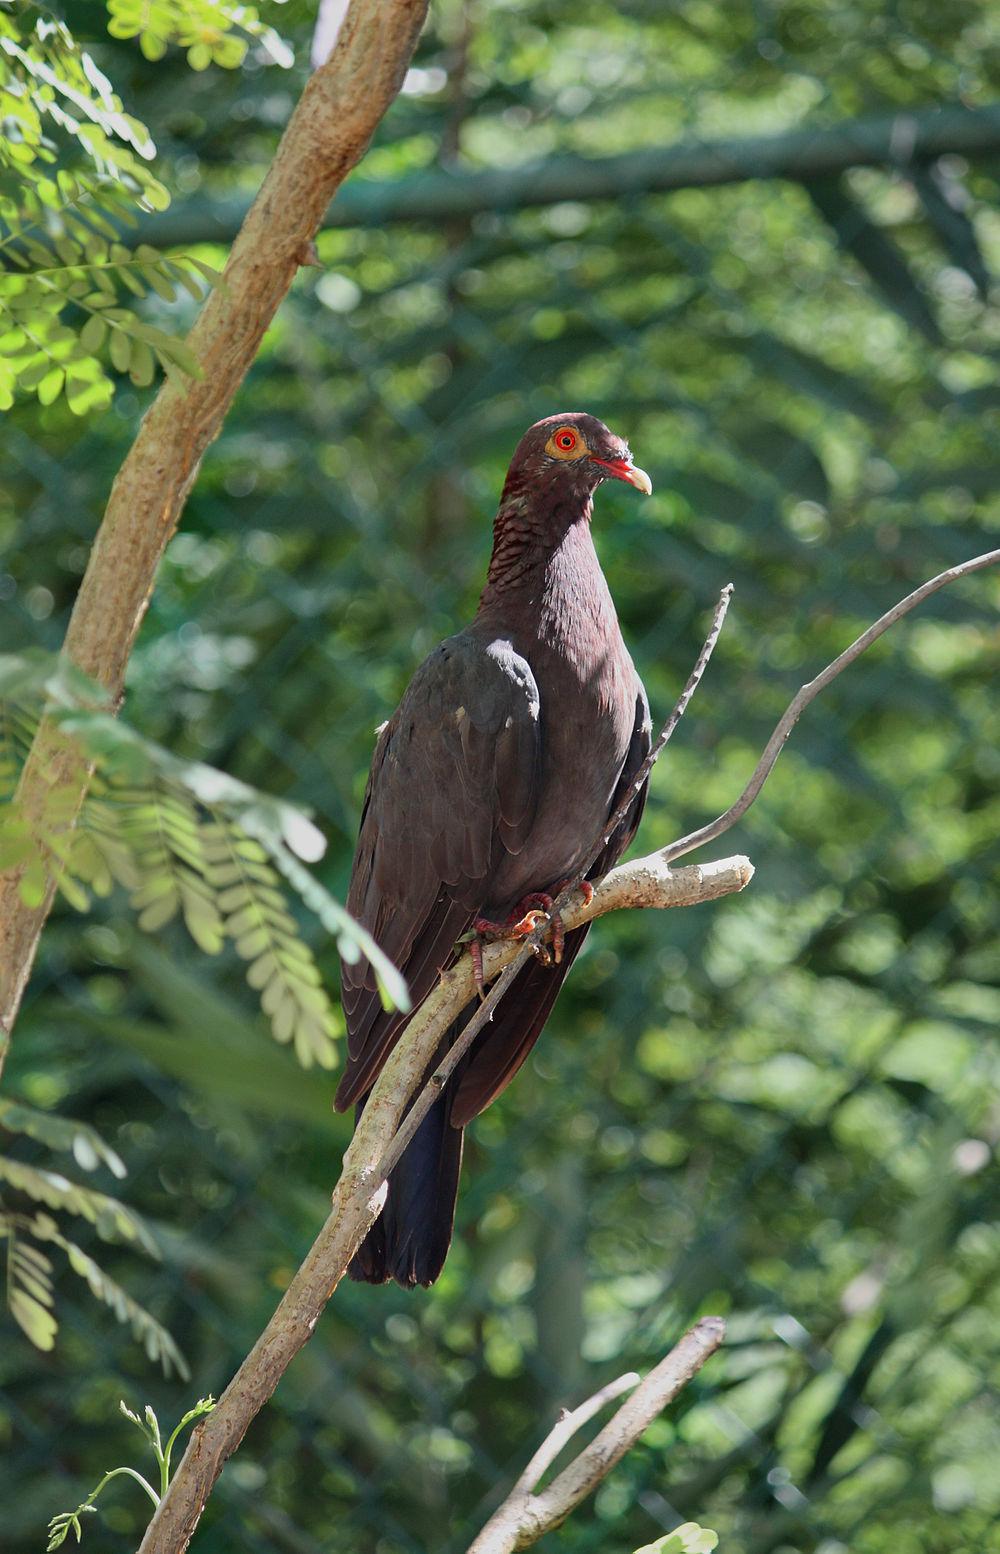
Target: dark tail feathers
pixel 410 1239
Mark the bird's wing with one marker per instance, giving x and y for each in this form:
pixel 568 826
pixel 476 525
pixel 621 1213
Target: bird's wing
pixel 504 1044
pixel 639 747
pixel 453 788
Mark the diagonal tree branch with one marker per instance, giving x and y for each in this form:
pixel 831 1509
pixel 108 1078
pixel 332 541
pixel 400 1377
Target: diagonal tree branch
pixel 326 136
pixel 528 1514
pixel 379 1139
pixel 568 1423
pixel 359 1194
pixel 646 882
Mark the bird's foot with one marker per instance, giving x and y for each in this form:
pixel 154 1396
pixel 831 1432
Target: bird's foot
pixel 520 924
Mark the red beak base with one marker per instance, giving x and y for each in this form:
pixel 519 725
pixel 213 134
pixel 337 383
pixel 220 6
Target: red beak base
pixel 621 469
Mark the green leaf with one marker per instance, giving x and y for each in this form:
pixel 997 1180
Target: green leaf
pixel 63 1133
pixel 35 1321
pixel 51 386
pixel 689 1538
pixel 142 367
pixel 93 333
pixel 34 883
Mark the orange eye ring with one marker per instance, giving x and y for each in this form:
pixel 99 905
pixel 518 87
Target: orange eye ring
pixel 566 443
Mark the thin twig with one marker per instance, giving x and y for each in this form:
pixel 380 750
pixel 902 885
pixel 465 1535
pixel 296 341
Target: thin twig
pixel 569 1422
pixel 666 733
pixel 526 1516
pixel 810 691
pixel 459 1047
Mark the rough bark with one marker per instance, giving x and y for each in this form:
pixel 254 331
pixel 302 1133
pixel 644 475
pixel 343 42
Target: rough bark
pixel 357 1197
pixel 326 135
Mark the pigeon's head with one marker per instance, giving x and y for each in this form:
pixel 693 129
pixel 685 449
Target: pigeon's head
pixel 573 453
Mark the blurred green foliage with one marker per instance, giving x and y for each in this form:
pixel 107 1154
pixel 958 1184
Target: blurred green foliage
pixel 782 1107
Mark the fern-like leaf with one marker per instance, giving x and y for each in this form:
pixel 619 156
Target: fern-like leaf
pixel 111 1218
pixel 161 832
pixel 280 967
pixel 157 1342
pixel 29 1285
pixel 89 1150
pixel 67 280
pixel 186 841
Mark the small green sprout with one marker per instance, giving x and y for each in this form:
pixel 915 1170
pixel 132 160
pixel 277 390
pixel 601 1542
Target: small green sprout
pixel 66 1522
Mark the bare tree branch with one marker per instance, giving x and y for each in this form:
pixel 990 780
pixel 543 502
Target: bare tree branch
pixel 525 1515
pixel 358 1195
pixel 379 1140
pixel 810 691
pixel 326 135
pixel 646 882
pixel 568 1423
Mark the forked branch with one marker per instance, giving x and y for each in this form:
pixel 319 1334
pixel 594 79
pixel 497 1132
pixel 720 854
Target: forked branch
pixel 528 1513
pixel 380 1138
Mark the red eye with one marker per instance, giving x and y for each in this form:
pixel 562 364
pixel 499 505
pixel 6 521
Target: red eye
pixel 566 440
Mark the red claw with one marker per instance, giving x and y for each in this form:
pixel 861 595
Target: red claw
pixel 521 923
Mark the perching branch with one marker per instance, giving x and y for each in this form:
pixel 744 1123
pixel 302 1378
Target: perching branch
pixel 358 1195
pixel 528 1514
pixel 646 882
pixel 326 135
pixel 379 1139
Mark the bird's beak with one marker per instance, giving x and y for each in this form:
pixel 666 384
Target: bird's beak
pixel 623 470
